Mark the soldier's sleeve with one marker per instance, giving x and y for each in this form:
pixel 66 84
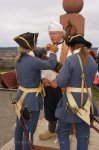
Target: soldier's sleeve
pixel 39 51
pixel 50 63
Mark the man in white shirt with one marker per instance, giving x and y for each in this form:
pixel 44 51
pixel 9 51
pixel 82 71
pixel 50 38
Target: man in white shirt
pixel 53 95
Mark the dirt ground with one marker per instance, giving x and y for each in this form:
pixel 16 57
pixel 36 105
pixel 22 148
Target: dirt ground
pixel 7 117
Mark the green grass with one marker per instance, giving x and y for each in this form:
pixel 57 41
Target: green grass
pixel 96 93
pixel 6 69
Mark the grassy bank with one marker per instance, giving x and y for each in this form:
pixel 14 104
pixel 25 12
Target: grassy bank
pixel 6 69
pixel 96 93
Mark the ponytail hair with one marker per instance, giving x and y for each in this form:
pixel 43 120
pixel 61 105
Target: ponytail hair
pixel 83 54
pixel 21 52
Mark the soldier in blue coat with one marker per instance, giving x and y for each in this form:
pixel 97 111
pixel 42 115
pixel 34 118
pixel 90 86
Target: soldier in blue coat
pixel 29 93
pixel 77 74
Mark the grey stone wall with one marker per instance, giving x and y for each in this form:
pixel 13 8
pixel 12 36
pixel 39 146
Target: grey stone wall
pixel 7 58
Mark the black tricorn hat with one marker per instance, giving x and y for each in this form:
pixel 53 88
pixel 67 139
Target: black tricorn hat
pixel 27 40
pixel 78 39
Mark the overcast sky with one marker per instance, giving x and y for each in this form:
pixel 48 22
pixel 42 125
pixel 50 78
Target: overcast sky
pixel 19 16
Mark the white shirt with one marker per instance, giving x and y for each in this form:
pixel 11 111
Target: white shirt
pixel 50 74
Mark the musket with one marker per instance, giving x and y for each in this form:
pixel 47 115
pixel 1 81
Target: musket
pixel 94 119
pixel 22 122
pixel 23 125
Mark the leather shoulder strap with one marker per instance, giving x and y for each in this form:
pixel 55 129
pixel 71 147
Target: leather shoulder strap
pixel 84 83
pixel 64 53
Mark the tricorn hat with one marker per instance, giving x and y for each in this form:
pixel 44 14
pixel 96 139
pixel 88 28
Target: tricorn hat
pixel 27 40
pixel 78 39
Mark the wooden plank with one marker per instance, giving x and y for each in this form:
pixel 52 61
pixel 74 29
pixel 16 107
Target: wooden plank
pixel 35 147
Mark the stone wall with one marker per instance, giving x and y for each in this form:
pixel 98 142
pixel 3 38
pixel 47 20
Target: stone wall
pixel 7 58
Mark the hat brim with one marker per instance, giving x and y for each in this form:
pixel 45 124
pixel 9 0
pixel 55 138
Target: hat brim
pixel 27 40
pixel 79 40
pixel 22 43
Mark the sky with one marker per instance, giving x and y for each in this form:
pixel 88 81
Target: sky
pixel 20 16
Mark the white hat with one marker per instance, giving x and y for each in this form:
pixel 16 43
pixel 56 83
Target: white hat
pixel 55 26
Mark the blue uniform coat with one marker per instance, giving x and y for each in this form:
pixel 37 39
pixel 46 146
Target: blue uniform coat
pixel 29 76
pixel 70 76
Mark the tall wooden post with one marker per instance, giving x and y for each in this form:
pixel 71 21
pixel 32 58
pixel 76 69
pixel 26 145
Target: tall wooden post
pixel 72 21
